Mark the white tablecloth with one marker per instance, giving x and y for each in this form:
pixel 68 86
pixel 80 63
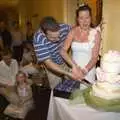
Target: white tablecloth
pixel 62 109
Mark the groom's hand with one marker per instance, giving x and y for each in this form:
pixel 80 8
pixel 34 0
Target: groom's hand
pixel 77 73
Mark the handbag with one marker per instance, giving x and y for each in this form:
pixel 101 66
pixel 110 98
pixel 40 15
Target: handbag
pixel 40 78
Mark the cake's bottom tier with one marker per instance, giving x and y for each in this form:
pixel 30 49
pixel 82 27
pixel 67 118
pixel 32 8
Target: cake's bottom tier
pixel 101 104
pixel 106 91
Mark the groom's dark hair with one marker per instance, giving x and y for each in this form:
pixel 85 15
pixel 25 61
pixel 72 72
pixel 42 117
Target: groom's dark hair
pixel 49 23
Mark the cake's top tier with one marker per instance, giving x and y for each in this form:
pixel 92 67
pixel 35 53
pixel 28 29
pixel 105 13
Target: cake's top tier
pixel 111 56
pixel 107 77
pixel 110 62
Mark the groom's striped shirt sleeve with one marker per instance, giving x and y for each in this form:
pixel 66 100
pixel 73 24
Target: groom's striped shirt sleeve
pixel 45 49
pixel 40 47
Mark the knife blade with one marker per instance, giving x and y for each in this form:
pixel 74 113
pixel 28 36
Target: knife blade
pixel 86 82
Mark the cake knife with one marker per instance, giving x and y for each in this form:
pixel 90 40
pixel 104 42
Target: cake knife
pixel 86 82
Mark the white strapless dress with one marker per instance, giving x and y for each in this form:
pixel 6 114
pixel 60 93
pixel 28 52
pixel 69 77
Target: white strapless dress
pixel 82 53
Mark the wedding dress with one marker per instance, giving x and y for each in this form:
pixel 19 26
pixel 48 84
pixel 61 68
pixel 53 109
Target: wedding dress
pixel 82 53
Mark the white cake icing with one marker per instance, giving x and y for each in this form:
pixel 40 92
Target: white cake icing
pixel 106 91
pixel 108 77
pixel 112 56
pixel 111 62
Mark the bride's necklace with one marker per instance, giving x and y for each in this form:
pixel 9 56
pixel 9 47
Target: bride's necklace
pixel 84 31
pixel 84 34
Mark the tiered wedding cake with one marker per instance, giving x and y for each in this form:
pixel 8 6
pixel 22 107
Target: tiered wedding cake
pixel 108 77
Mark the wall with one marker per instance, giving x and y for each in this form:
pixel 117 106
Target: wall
pixel 42 8
pixel 62 10
pixel 111 18
pixel 92 4
pixel 35 10
pixel 9 2
pixel 69 12
pixel 71 6
pixel 25 11
pixel 8 11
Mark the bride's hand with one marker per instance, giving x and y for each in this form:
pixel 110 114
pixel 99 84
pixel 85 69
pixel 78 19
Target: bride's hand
pixel 77 73
pixel 85 71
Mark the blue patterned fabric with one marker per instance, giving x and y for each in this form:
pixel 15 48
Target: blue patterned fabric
pixel 68 86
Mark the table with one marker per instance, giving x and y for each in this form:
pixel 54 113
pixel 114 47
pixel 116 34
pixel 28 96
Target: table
pixel 61 109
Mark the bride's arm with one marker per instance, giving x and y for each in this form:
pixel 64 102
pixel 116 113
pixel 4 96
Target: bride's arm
pixel 76 70
pixel 95 53
pixel 64 51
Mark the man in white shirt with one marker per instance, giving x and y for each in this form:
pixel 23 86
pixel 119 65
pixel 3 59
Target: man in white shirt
pixel 8 69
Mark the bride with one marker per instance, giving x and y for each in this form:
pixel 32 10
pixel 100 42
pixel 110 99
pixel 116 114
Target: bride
pixel 85 44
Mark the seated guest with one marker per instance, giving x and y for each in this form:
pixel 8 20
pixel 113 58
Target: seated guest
pixel 28 63
pixel 23 86
pixel 24 93
pixel 8 69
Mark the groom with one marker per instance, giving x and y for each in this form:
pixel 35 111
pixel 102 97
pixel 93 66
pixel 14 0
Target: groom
pixel 47 42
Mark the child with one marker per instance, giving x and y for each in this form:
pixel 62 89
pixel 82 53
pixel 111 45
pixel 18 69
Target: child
pixel 23 85
pixel 24 93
